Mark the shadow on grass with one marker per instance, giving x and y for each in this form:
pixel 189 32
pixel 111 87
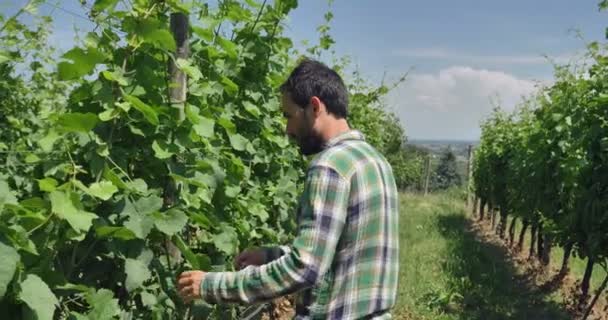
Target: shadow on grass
pixel 483 281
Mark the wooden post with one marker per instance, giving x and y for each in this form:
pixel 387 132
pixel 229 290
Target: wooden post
pixel 469 156
pixel 179 81
pixel 178 86
pixel 428 175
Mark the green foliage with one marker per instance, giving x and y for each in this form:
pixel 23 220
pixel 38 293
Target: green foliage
pixel 101 184
pixel 107 192
pixel 369 113
pixel 547 161
pixel 446 175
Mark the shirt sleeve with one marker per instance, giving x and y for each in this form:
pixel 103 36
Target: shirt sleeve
pixel 322 214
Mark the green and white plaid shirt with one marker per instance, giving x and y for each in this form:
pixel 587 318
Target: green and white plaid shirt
pixel 344 261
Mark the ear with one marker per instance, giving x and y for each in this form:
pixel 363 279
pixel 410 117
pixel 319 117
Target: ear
pixel 317 105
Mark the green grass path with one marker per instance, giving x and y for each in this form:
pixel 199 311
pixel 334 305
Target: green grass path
pixel 448 273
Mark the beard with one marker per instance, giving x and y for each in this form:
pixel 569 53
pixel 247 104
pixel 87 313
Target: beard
pixel 311 143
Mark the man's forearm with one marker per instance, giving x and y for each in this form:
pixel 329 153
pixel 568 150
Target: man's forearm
pixel 285 275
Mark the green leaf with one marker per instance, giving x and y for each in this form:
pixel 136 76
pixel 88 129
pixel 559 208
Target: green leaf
pixel 136 131
pixel 103 150
pixel 188 69
pixel 115 232
pixel 115 76
pixel 205 127
pixel 149 204
pixel 252 109
pixel 230 87
pixel 82 63
pixel 186 252
pixel 67 207
pixel 238 142
pixel 78 316
pixel 259 211
pixel 137 272
pixel 140 219
pixel 9 258
pixel 205 33
pixel 227 124
pixel 155 33
pixel 48 141
pixel 149 113
pixel 101 5
pixel 137 185
pixel 6 195
pixel 103 305
pixel 170 222
pixel 32 158
pixel 228 46
pixel 232 191
pixel 148 299
pixel 192 113
pixel 103 190
pixel 4 57
pixel 204 262
pixel 179 5
pixel 140 224
pixel 557 116
pixel 34 203
pixel 161 152
pixel 77 122
pixel 37 295
pixel 47 184
pixel 226 241
pixel 161 38
pixel 113 177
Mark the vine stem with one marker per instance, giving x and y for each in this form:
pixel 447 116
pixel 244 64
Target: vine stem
pixel 257 19
pixel 119 168
pixel 597 296
pixel 42 224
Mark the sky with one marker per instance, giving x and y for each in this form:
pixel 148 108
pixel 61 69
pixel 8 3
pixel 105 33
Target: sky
pixel 461 57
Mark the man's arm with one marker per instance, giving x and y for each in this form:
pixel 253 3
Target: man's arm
pixel 259 256
pixel 323 213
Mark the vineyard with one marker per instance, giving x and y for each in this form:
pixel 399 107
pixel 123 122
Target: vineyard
pixel 155 145
pixel 546 166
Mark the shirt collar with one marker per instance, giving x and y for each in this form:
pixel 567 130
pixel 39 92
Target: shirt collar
pixel 347 135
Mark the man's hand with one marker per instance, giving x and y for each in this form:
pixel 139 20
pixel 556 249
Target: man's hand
pixel 250 257
pixel 189 285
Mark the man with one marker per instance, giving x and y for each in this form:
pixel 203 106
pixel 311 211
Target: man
pixel 344 260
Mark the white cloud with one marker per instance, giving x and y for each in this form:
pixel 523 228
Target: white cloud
pixel 451 103
pixel 463 57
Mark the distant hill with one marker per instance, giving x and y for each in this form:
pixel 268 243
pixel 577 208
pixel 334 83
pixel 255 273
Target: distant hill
pixel 442 142
pixel 435 147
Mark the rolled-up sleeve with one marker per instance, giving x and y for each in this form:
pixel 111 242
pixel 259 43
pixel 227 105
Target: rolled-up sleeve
pixel 322 214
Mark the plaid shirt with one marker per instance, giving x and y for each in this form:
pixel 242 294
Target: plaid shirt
pixel 344 261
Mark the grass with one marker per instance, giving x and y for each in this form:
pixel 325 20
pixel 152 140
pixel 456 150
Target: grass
pixel 448 273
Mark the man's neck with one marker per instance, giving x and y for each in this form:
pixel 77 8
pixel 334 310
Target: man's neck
pixel 335 129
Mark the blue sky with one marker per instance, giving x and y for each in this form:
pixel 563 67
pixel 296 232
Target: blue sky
pixel 461 54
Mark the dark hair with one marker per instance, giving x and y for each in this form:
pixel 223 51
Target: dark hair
pixel 313 78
